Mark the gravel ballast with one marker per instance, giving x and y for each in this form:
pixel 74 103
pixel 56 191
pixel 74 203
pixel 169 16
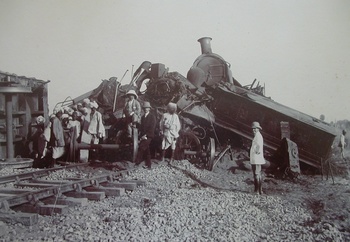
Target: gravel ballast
pixel 183 203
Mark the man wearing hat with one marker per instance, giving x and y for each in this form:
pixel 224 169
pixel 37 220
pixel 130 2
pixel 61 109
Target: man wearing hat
pixel 169 127
pixel 85 136
pixel 80 107
pixel 147 128
pixel 342 144
pixel 86 102
pixel 96 128
pixel 57 136
pixel 132 110
pixel 257 157
pixel 86 105
pixel 41 140
pixel 74 126
pixel 36 139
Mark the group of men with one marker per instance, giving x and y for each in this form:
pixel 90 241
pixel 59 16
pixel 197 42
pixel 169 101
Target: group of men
pixel 169 130
pixel 169 127
pixel 85 124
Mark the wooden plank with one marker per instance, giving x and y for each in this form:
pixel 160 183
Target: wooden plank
pixel 63 200
pixel 27 219
pixel 126 185
pixel 138 182
pixel 50 209
pixel 89 195
pixel 109 191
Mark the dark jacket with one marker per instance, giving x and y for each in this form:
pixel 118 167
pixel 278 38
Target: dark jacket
pixel 148 125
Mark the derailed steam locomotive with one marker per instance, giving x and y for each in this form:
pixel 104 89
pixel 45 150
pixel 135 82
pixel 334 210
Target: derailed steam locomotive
pixel 216 110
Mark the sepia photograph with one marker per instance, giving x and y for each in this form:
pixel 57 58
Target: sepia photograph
pixel 194 120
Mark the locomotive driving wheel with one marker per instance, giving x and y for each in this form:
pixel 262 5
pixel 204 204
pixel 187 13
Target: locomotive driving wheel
pixel 188 146
pixel 210 154
pixel 129 145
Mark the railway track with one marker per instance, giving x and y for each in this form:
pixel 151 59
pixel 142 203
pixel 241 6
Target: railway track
pixel 24 196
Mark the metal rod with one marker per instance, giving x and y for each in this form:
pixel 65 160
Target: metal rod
pixel 117 89
pixel 190 152
pixel 123 76
pixel 99 146
pixel 115 94
pixel 132 71
pixel 222 153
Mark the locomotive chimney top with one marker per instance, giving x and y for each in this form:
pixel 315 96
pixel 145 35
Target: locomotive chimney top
pixel 205 45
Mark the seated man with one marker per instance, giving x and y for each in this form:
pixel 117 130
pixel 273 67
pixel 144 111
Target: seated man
pixel 131 111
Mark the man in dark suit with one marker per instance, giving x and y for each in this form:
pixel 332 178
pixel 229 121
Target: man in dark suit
pixel 147 128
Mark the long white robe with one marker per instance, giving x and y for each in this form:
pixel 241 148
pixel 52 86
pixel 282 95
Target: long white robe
pixel 170 126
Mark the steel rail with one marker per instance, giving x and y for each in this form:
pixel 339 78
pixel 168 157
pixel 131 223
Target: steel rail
pixel 35 196
pixel 35 174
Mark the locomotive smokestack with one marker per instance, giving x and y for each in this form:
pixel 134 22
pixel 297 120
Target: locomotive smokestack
pixel 205 45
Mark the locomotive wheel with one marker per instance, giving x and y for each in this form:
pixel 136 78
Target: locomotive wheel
pixel 209 159
pixel 189 146
pixel 135 145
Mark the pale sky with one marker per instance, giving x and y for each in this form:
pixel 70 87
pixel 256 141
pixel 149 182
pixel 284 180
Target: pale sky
pixel 300 49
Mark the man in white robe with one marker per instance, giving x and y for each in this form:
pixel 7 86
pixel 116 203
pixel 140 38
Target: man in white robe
pixel 169 127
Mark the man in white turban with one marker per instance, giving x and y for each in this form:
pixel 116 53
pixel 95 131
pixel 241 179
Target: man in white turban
pixel 93 130
pixel 57 141
pixel 169 127
pixel 96 127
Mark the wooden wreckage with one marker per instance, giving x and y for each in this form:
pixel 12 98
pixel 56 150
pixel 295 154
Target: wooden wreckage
pixel 22 100
pixel 216 112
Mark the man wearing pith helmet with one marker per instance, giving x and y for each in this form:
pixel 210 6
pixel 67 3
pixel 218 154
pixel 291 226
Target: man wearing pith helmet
pixel 257 157
pixel 147 128
pixel 132 110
